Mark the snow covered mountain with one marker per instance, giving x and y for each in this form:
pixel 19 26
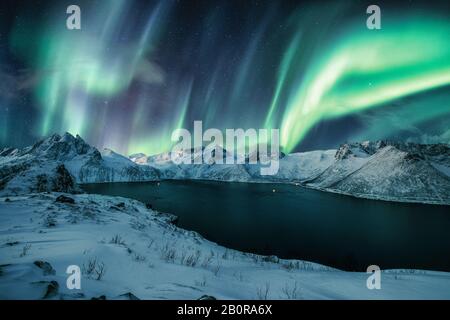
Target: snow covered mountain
pixel 140 158
pixel 389 171
pixel 206 171
pixel 58 163
pixel 293 167
pixel 384 170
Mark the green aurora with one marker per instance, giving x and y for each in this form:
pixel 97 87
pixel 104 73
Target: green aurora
pixel 128 85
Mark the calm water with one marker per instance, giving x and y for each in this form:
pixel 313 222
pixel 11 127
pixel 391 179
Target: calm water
pixel 294 222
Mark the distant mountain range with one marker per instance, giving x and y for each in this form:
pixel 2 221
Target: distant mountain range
pixel 385 170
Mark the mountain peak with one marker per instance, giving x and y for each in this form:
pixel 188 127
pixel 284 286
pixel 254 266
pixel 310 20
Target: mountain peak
pixel 59 147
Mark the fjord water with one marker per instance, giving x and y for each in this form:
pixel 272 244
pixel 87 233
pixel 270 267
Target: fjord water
pixel 295 222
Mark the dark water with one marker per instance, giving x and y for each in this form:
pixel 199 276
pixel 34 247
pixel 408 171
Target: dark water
pixel 295 222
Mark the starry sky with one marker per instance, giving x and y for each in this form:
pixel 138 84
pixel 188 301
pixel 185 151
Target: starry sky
pixel 137 70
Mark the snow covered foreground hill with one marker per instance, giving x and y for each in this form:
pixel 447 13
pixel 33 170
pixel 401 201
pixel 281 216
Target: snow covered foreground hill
pixel 59 163
pixel 127 251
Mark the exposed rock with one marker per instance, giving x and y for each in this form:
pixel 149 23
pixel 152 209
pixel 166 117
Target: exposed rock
pixel 51 289
pixel 63 181
pixel 206 297
pixel 128 296
pixel 168 217
pixel 46 267
pixel 272 259
pixel 121 205
pixel 65 199
pixel 7 151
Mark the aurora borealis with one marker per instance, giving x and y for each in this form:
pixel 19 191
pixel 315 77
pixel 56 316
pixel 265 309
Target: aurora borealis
pixel 137 70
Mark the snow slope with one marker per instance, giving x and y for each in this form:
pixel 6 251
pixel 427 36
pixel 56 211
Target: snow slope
pixel 305 165
pixel 139 253
pixel 389 171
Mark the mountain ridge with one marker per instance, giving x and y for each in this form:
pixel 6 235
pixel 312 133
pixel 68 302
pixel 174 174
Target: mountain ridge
pixel 420 173
pixel 384 170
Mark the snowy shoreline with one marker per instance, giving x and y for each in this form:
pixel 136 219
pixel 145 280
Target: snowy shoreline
pixel 380 198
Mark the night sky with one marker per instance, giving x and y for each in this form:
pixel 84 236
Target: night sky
pixel 137 70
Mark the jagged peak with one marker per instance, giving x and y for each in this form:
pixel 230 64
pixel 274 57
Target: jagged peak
pixel 68 137
pixel 60 147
